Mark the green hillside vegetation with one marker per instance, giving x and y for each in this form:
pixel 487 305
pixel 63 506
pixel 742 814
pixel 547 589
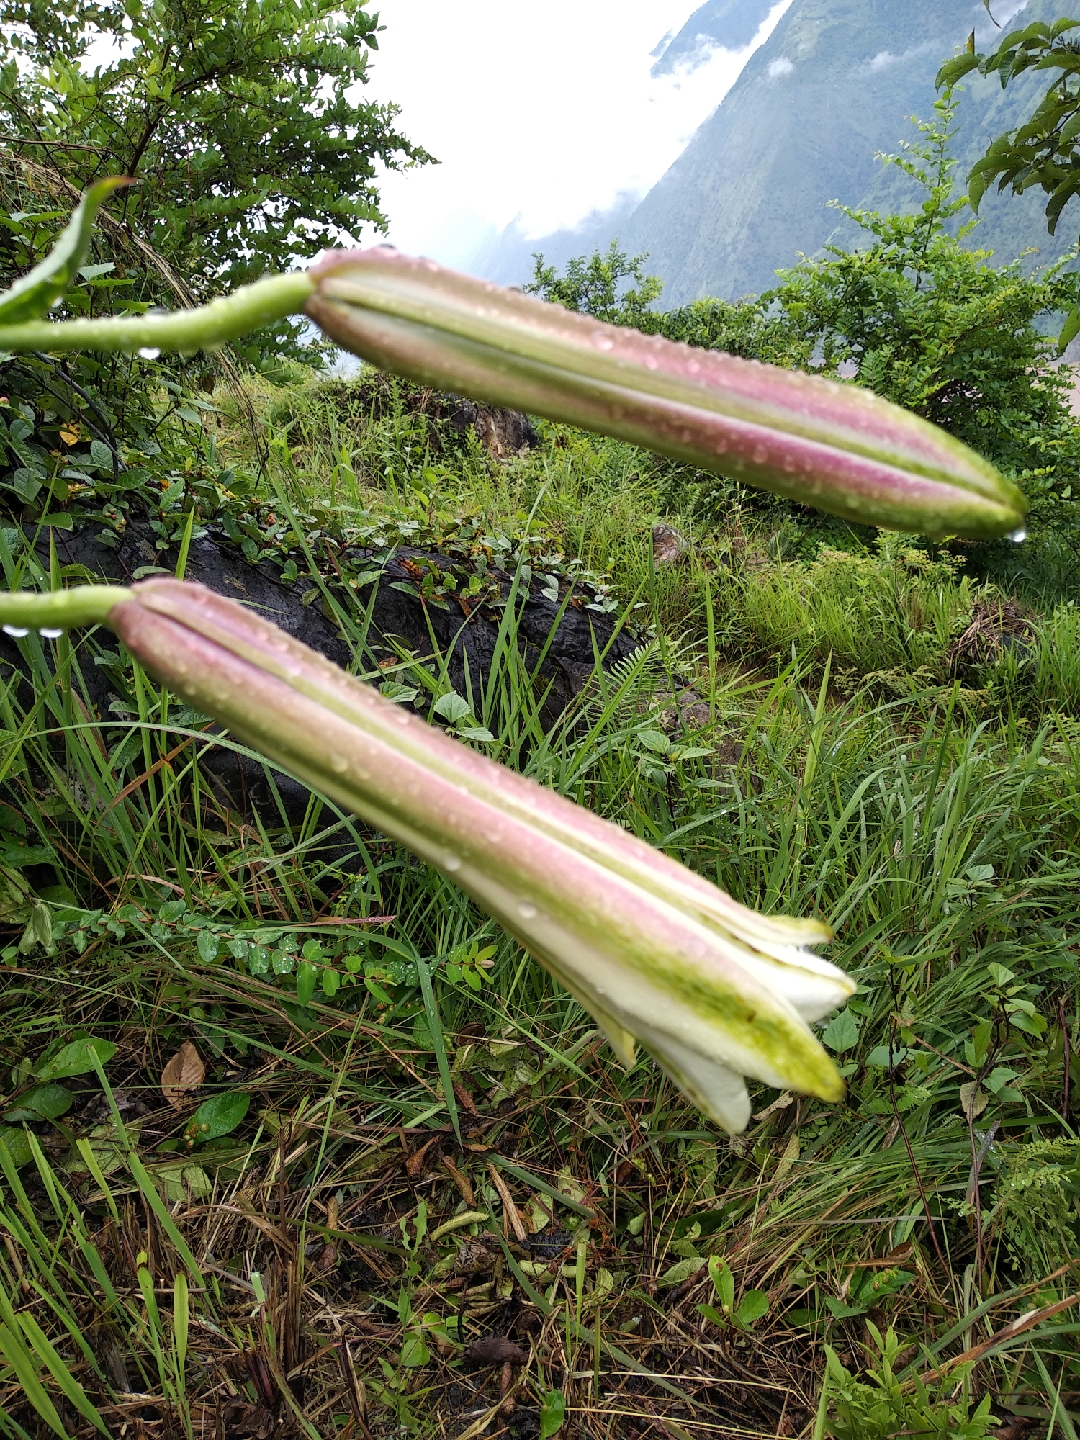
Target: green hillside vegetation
pixel 294 1140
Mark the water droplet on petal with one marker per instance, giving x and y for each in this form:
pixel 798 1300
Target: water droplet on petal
pixel 148 352
pixel 1018 535
pixel 16 631
pixel 526 911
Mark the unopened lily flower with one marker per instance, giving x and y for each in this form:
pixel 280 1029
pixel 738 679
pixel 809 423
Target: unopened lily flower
pixel 838 447
pixel 654 952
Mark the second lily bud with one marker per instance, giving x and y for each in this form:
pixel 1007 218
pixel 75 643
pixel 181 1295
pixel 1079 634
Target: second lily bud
pixel 837 447
pixel 657 954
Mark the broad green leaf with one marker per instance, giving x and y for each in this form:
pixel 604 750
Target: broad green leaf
pixel 680 1271
pixel 13 1139
pixel 15 901
pixel 32 294
pixel 76 1059
pixel 220 1115
pixel 306 974
pixel 1070 329
pixel 414 1352
pixel 207 946
pixel 841 1311
pixel 552 1414
pixel 44 1102
pixel 978 182
pixel 38 929
pixel 753 1305
pixel 954 70
pixel 451 706
pixel 842 1032
pixel 723 1282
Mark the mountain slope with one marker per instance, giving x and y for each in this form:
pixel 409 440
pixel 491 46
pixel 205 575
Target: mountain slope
pixel 835 83
pixel 800 127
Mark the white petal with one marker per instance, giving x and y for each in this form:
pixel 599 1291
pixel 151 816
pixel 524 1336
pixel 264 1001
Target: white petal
pixel 809 984
pixel 626 1004
pixel 717 1091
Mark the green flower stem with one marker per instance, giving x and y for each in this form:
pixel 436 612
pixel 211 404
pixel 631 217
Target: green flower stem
pixel 60 609
pixel 186 331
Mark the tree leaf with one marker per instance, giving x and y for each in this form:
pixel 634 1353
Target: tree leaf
pixel 184 1072
pixel 1070 329
pixel 33 293
pixel 220 1115
pixel 76 1059
pixel 954 70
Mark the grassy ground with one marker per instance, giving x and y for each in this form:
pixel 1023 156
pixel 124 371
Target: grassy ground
pixel 297 1142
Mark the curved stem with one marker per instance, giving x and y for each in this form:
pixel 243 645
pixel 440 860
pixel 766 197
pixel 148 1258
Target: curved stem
pixel 208 326
pixel 59 609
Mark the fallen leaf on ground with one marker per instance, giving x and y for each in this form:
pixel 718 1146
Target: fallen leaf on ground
pixel 495 1350
pixel 184 1072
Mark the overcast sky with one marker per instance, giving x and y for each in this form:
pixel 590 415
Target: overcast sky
pixel 538 113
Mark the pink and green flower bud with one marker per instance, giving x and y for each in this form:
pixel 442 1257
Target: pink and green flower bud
pixel 837 447
pixel 657 954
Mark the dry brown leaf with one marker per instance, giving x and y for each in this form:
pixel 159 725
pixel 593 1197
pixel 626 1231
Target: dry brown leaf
pixel 184 1072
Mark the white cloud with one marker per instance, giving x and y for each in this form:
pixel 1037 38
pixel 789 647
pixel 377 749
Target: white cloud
pixel 539 114
pixel 882 60
pixel 779 67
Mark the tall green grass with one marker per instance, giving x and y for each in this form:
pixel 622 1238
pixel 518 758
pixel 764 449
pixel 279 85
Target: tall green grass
pixel 937 835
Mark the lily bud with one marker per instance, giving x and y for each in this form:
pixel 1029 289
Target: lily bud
pixel 837 447
pixel 657 954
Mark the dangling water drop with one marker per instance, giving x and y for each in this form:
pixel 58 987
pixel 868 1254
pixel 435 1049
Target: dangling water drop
pixel 451 863
pixel 1018 536
pixel 16 631
pixel 339 764
pixel 526 911
pixel 148 352
pixel 50 634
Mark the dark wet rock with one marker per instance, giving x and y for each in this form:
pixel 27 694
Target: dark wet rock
pixel 668 546
pixel 524 1424
pixel 445 421
pixel 379 624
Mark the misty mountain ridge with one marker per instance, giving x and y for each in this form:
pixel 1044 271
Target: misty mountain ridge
pixel 835 83
pixel 718 24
